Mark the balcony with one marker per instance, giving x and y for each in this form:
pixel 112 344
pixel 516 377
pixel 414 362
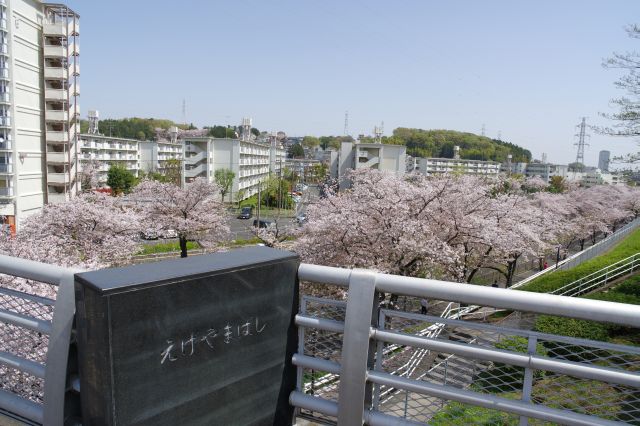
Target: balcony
pixel 55 29
pixel 5 98
pixel 55 73
pixel 6 192
pixel 56 197
pixel 57 157
pixel 6 168
pixel 5 121
pixel 57 178
pixel 55 51
pixel 56 94
pixel 6 145
pixel 4 73
pixel 55 136
pixel 56 115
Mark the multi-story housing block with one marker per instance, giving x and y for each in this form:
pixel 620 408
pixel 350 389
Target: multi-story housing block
pixel 39 111
pixel 153 155
pixel 252 162
pixel 103 151
pixel 61 90
pixel 431 166
pixel 352 156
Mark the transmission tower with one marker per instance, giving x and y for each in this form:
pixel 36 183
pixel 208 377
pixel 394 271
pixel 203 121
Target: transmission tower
pixel 499 135
pixel 483 130
pixel 581 143
pixel 346 123
pixel 184 112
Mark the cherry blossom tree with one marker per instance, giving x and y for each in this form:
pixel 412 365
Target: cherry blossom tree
pixel 193 212
pixel 90 231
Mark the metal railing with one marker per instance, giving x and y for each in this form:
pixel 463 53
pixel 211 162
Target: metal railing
pixel 511 372
pixel 600 278
pixel 587 254
pixel 35 333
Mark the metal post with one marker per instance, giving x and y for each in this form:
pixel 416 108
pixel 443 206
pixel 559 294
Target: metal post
pixel 300 370
pixel 557 257
pixel 378 367
pixel 55 378
pixel 355 393
pixel 527 385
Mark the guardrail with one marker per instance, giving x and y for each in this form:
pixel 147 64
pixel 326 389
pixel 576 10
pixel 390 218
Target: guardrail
pixel 586 254
pixel 600 278
pixel 520 363
pixel 35 334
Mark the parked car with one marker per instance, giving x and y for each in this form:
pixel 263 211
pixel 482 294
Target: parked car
pixel 149 234
pixel 168 233
pixel 246 213
pixel 263 223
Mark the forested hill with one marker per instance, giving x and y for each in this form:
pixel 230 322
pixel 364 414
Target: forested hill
pixel 440 143
pixel 132 128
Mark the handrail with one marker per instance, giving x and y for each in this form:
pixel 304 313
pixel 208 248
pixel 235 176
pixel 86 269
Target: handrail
pixel 616 268
pixel 540 303
pixel 350 405
pixel 54 369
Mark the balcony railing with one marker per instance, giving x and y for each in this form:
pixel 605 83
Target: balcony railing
pixel 6 168
pixel 6 192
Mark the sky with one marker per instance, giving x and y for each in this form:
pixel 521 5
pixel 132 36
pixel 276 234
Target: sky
pixel 529 70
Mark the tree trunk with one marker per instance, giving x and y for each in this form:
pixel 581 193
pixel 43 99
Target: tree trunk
pixel 183 246
pixel 581 244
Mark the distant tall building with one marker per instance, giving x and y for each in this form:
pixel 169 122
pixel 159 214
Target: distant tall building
pixel 603 160
pixel 39 113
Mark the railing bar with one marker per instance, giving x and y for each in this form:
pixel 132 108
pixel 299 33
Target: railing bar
pixel 512 358
pixel 319 323
pixel 324 274
pixel 26 296
pixel 586 309
pixel 313 403
pixel 34 368
pixel 488 401
pixel 29 269
pixel 517 332
pixel 315 363
pixel 21 406
pixel 25 321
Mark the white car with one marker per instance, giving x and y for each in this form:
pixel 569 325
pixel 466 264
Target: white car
pixel 168 233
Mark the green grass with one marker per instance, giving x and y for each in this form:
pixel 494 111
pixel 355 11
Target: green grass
pixel 167 247
pixel 554 280
pixel 625 292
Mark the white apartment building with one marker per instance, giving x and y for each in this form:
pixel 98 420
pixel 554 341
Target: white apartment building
pixel 39 112
pixel 153 155
pixel 104 151
pixel 352 156
pixel 252 162
pixel 431 166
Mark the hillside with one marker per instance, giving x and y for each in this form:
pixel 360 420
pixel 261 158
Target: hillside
pixel 132 128
pixel 440 143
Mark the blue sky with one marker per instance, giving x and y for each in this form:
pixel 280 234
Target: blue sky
pixel 529 69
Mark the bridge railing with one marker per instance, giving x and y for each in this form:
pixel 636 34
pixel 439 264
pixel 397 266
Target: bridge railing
pixel 506 373
pixel 36 319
